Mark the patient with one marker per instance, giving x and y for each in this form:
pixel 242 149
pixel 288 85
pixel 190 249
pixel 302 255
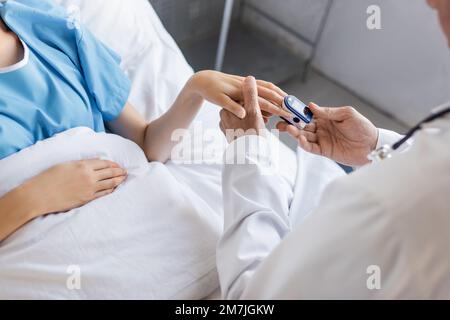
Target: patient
pixel 54 77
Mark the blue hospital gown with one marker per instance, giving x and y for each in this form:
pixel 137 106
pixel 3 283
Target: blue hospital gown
pixel 71 79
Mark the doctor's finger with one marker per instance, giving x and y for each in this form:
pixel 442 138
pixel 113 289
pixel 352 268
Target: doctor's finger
pixel 222 127
pixel 283 126
pixel 293 131
pixel 311 127
pixel 334 114
pixel 251 100
pixel 310 147
pixel 266 114
pixel 310 136
pixel 227 116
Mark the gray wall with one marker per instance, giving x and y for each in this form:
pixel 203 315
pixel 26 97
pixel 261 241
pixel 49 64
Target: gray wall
pixel 403 68
pixel 189 21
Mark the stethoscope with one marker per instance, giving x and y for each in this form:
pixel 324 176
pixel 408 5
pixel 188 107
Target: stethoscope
pixel 385 152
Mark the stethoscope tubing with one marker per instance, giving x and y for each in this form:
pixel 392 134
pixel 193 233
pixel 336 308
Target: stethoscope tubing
pixel 434 116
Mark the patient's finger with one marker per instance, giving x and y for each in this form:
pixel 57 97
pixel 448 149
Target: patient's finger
pixel 103 193
pixel 97 164
pixel 270 95
pixel 271 86
pixel 272 109
pixel 109 183
pixel 265 84
pixel 232 106
pixel 109 173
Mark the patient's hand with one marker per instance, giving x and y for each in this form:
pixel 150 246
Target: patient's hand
pixel 253 122
pixel 226 91
pixel 341 134
pixel 73 184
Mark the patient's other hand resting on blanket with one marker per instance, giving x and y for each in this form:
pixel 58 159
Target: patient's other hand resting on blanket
pixel 96 99
pixel 61 188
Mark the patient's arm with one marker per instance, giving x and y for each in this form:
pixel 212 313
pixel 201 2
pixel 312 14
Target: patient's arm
pixel 221 89
pixel 61 188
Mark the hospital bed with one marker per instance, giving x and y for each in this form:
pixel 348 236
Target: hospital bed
pixel 155 237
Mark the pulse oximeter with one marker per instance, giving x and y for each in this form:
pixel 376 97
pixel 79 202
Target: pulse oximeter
pixel 301 114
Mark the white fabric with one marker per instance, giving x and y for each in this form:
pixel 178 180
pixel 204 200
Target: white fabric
pixel 387 137
pixel 152 238
pixel 388 220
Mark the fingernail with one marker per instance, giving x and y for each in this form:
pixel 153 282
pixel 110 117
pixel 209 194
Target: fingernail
pixel 250 79
pixel 242 114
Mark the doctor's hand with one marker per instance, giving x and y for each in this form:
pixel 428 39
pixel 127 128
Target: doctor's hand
pixel 253 123
pixel 225 90
pixel 341 134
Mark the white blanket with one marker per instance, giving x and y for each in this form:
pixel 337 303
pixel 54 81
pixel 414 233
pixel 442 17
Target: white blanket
pixel 152 238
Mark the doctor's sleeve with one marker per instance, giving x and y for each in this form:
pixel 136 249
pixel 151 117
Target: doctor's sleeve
pixel 100 66
pixel 256 204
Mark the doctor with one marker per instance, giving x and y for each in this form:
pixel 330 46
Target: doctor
pixel 382 232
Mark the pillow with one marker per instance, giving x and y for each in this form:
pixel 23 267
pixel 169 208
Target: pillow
pixel 150 57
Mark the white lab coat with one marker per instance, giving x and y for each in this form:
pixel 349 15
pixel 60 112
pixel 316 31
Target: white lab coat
pixel 382 232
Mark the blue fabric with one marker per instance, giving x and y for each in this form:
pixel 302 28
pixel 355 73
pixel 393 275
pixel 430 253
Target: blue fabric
pixel 71 79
